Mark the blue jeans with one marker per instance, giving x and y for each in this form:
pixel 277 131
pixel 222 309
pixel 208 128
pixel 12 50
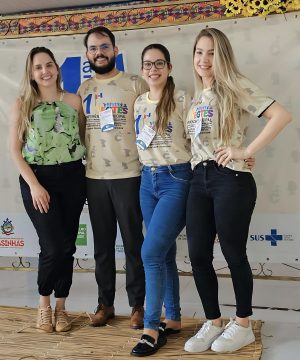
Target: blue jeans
pixel 163 195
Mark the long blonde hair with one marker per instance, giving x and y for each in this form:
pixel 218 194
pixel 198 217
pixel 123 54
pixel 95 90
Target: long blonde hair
pixel 29 92
pixel 225 83
pixel 166 104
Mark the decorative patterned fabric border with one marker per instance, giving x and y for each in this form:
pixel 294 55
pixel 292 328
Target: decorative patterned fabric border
pixel 136 15
pixel 123 18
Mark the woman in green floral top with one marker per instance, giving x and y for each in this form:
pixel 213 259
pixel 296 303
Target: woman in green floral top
pixel 46 128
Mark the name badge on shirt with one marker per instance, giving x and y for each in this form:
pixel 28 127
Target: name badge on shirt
pixel 198 127
pixel 106 120
pixel 145 137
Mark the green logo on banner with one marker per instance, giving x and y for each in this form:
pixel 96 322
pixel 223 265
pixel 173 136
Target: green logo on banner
pixel 81 236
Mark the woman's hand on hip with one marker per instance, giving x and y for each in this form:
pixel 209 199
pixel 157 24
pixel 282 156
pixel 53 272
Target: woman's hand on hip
pixel 224 154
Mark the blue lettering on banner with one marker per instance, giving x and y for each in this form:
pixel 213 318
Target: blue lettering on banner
pixel 120 62
pixel 273 237
pixel 257 237
pixel 76 69
pixel 70 72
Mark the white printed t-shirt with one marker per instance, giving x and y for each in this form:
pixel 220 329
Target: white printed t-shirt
pixel 112 154
pixel 205 142
pixel 173 147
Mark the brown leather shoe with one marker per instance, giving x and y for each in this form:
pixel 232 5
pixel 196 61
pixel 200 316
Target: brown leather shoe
pixel 102 315
pixel 137 317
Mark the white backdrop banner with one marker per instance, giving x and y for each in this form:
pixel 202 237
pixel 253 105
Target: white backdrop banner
pixel 267 51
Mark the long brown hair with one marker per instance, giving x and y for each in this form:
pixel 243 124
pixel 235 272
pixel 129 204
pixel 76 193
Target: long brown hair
pixel 166 104
pixel 30 90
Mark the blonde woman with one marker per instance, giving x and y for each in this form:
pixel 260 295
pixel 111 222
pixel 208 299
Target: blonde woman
pixel 223 192
pixel 164 152
pixel 45 145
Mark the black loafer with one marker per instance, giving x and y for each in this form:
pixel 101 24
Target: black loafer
pixel 162 338
pixel 168 331
pixel 146 346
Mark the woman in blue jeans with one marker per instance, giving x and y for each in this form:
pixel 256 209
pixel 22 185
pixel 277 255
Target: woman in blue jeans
pixel 164 152
pixel 223 192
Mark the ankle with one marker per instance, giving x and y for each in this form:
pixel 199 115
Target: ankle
pixel 44 302
pixel 174 324
pixel 60 303
pixel 151 332
pixel 217 322
pixel 244 322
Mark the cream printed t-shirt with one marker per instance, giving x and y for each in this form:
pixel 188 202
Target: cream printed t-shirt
pixel 202 123
pixel 111 154
pixel 173 147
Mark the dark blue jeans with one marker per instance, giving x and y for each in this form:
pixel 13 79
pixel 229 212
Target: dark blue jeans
pixel 57 229
pixel 163 196
pixel 221 201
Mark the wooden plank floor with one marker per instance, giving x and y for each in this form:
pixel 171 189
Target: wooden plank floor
pixel 19 340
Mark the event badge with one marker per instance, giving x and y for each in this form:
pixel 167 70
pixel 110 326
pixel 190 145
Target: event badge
pixel 198 127
pixel 106 120
pixel 145 137
pixel 198 118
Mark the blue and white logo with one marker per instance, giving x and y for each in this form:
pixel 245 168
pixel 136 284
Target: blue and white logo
pixel 273 237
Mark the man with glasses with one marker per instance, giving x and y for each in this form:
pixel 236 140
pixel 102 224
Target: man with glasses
pixel 113 174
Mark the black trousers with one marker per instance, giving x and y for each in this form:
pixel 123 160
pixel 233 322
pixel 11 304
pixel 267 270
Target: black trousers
pixel 57 230
pixel 221 201
pixel 111 202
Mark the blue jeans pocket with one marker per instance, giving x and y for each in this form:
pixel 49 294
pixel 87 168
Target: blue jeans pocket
pixel 181 175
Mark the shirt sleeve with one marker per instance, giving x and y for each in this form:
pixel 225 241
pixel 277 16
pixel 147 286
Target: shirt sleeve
pixel 255 101
pixel 141 86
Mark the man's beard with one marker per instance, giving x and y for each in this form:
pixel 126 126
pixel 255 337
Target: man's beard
pixel 104 69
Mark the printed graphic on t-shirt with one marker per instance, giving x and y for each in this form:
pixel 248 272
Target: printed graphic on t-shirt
pixel 159 140
pixel 119 110
pixel 204 108
pixel 140 119
pixel 204 114
pixel 110 136
pixel 191 126
pixel 170 148
pixel 163 141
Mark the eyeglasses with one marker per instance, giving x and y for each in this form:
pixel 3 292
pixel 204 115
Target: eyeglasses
pixel 104 48
pixel 159 64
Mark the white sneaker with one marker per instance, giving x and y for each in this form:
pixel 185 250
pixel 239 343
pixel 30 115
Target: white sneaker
pixel 234 337
pixel 204 338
